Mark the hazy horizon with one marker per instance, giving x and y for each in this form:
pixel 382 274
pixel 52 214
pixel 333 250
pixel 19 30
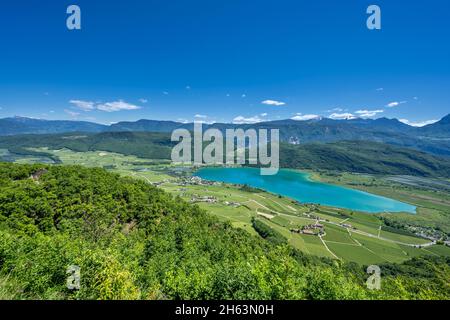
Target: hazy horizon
pixel 236 123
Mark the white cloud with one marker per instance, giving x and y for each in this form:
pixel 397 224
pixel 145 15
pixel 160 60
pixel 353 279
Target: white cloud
pixel 336 110
pixel 83 105
pixel 201 118
pixel 242 120
pixel 108 106
pixel 418 123
pixel 116 106
pixel 392 104
pixel 143 100
pixel 183 120
pixel 395 104
pixel 264 114
pixel 368 113
pixel 303 117
pixel 342 116
pixel 71 113
pixel 273 103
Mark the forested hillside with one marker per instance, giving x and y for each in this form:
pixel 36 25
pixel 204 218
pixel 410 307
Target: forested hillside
pixel 350 156
pixel 134 241
pixel 364 157
pixel 142 144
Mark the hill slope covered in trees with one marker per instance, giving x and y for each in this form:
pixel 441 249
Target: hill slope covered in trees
pixel 363 157
pixel 350 156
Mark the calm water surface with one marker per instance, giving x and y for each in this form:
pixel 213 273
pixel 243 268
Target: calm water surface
pixel 297 185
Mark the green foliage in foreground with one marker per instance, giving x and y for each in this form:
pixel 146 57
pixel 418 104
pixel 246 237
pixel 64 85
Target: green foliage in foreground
pixel 134 241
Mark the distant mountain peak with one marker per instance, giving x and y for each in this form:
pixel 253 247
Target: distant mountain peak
pixel 25 125
pixel 445 120
pixel 23 118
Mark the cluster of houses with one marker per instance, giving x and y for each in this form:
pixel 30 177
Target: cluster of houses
pixel 210 199
pixel 429 233
pixel 315 229
pixel 207 199
pixel 197 181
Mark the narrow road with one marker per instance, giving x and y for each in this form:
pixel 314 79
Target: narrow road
pixel 326 247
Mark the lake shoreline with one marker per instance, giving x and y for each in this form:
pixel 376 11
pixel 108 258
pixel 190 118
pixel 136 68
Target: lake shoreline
pixel 304 187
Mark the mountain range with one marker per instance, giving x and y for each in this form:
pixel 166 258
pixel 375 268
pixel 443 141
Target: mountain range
pixel 433 138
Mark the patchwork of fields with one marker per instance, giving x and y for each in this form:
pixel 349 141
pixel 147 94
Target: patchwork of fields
pixel 347 235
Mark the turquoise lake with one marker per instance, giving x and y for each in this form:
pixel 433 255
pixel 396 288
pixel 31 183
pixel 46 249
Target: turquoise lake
pixel 297 185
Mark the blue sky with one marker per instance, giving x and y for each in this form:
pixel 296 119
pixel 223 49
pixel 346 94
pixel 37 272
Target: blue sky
pixel 224 61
